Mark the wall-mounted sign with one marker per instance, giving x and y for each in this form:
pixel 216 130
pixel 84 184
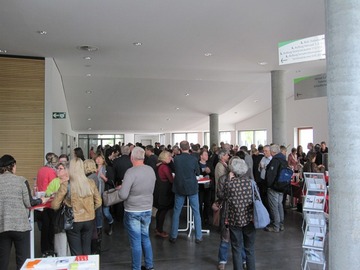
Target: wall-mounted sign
pixel 59 115
pixel 302 50
pixel 310 87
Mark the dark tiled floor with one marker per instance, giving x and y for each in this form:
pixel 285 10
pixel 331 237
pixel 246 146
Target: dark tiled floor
pixel 273 250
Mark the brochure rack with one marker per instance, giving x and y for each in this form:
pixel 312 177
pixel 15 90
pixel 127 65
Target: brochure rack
pixel 314 223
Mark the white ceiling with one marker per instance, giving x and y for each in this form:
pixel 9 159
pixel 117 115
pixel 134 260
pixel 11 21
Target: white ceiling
pixel 138 88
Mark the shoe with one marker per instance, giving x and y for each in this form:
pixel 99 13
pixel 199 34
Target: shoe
pixel 198 241
pixel 221 266
pixel 271 229
pixel 162 234
pixel 244 266
pixel 172 240
pixel 144 268
pixel 282 228
pixel 110 230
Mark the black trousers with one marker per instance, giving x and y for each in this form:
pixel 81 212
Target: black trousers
pixel 21 241
pixel 79 238
pixel 47 230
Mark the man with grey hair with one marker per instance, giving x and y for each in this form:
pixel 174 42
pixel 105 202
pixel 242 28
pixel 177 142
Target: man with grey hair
pixel 221 167
pixel 186 185
pixel 275 197
pixel 137 192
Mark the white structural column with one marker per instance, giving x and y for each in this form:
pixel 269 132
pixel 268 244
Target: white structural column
pixel 214 129
pixel 278 103
pixel 343 91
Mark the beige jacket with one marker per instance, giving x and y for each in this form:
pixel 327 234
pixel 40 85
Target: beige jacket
pixel 83 207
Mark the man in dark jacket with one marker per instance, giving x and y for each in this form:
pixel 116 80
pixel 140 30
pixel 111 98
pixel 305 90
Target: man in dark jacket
pixel 275 197
pixel 186 185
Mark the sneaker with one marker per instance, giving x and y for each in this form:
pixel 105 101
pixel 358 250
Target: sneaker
pixel 221 266
pixel 172 240
pixel 271 229
pixel 110 230
pixel 282 228
pixel 244 266
pixel 144 268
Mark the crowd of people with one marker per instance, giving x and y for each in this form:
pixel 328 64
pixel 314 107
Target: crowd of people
pixel 147 178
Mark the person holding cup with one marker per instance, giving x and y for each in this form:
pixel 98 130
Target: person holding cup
pixel 15 199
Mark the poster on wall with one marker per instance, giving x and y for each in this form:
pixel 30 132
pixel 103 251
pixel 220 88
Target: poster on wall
pixel 310 87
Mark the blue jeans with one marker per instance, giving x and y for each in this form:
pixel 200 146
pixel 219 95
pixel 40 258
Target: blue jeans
pixel 137 226
pixel 194 203
pixel 105 210
pixel 107 214
pixel 276 208
pixel 243 237
pixel 223 252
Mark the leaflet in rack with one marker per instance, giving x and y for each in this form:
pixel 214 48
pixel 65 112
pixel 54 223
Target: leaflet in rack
pixel 315 181
pixel 314 202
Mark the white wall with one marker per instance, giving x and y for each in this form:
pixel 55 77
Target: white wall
pixel 55 102
pixel 300 113
pixel 147 137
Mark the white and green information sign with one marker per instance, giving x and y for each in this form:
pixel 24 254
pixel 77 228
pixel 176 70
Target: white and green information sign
pixel 310 87
pixel 302 50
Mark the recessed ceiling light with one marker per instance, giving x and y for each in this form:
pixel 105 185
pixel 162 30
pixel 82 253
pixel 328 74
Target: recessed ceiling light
pixel 89 119
pixel 256 100
pixel 137 43
pixel 41 32
pixel 88 75
pixel 177 108
pixel 89 107
pixel 89 128
pixel 162 128
pixel 262 63
pixel 88 48
pixel 87 57
pixel 3 51
pixel 208 54
pixel 235 112
pixel 187 94
pixel 167 119
pixel 88 92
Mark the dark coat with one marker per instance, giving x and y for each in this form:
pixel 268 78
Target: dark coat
pixel 273 168
pixel 121 165
pixel 186 170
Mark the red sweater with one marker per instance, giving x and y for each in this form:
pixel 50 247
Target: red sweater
pixel 165 174
pixel 44 177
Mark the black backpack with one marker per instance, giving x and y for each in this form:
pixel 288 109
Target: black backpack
pixel 284 176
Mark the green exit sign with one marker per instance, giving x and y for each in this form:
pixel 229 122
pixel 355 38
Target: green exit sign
pixel 59 115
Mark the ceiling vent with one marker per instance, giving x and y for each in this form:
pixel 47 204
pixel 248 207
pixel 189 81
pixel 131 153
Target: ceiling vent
pixel 88 48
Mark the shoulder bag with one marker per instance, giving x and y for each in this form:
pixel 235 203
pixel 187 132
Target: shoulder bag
pixel 64 217
pixel 111 197
pixel 261 215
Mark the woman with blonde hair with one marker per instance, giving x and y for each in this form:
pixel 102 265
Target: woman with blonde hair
pixel 163 196
pixel 82 195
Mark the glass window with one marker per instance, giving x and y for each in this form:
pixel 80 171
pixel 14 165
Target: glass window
pixel 248 137
pixel 305 136
pixel 192 137
pixel 207 138
pixel 178 137
pixel 225 136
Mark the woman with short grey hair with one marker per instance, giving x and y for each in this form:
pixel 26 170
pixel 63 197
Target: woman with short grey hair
pixel 238 195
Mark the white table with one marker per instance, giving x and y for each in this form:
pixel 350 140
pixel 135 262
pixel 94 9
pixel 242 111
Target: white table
pixel 90 262
pixel 189 214
pixel 39 207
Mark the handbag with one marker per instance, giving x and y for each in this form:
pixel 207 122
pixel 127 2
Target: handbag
pixel 261 215
pixel 111 197
pixel 64 217
pixel 216 206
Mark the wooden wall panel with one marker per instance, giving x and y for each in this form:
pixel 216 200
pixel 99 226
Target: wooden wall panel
pixel 22 92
